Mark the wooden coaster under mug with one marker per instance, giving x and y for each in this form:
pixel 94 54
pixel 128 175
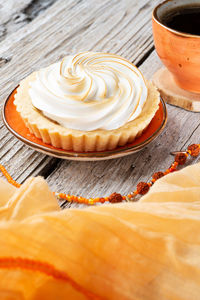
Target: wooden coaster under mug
pixel 173 94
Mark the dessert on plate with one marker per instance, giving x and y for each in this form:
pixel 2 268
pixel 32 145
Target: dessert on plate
pixel 87 102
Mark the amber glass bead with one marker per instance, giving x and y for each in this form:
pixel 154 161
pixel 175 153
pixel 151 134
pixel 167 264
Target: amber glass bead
pixel 142 188
pixel 167 172
pixel 181 158
pixel 194 150
pixel 174 165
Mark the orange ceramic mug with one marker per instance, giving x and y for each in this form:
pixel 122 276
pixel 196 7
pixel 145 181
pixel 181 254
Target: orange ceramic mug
pixel 180 52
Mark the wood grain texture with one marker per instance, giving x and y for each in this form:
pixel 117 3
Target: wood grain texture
pixel 16 14
pixel 122 175
pixel 67 27
pixel 122 27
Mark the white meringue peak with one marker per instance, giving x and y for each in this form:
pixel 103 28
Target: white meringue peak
pixel 90 91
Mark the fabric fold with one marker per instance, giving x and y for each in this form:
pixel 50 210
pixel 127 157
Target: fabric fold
pixel 144 250
pixel 31 198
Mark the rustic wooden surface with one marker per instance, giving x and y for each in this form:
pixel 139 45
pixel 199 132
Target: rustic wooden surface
pixel 46 32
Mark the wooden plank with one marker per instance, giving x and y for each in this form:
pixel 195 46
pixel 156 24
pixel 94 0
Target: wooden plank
pixel 67 27
pixel 15 16
pixel 121 175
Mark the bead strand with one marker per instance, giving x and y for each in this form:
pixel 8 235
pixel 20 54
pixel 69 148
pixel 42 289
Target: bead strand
pixel 141 189
pixel 45 268
pixel 8 177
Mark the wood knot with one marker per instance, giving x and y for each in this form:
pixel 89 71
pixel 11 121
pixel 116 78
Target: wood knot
pixel 4 60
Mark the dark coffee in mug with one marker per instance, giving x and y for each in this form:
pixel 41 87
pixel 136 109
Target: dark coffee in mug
pixel 185 19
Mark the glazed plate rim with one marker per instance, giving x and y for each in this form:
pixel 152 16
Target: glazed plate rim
pixel 86 156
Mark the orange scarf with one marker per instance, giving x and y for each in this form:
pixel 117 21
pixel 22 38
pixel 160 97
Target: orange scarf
pixel 144 250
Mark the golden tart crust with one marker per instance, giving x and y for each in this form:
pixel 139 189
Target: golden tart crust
pixel 80 141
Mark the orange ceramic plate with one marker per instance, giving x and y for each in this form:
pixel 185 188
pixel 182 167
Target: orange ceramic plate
pixel 16 126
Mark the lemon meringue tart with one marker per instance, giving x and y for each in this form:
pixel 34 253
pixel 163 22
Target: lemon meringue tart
pixel 87 102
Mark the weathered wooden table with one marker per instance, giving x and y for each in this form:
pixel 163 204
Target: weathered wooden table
pixel 36 33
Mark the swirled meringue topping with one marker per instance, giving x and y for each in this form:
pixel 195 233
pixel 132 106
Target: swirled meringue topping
pixel 90 91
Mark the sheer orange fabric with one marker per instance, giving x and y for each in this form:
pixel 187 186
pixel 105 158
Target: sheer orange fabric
pixel 144 250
